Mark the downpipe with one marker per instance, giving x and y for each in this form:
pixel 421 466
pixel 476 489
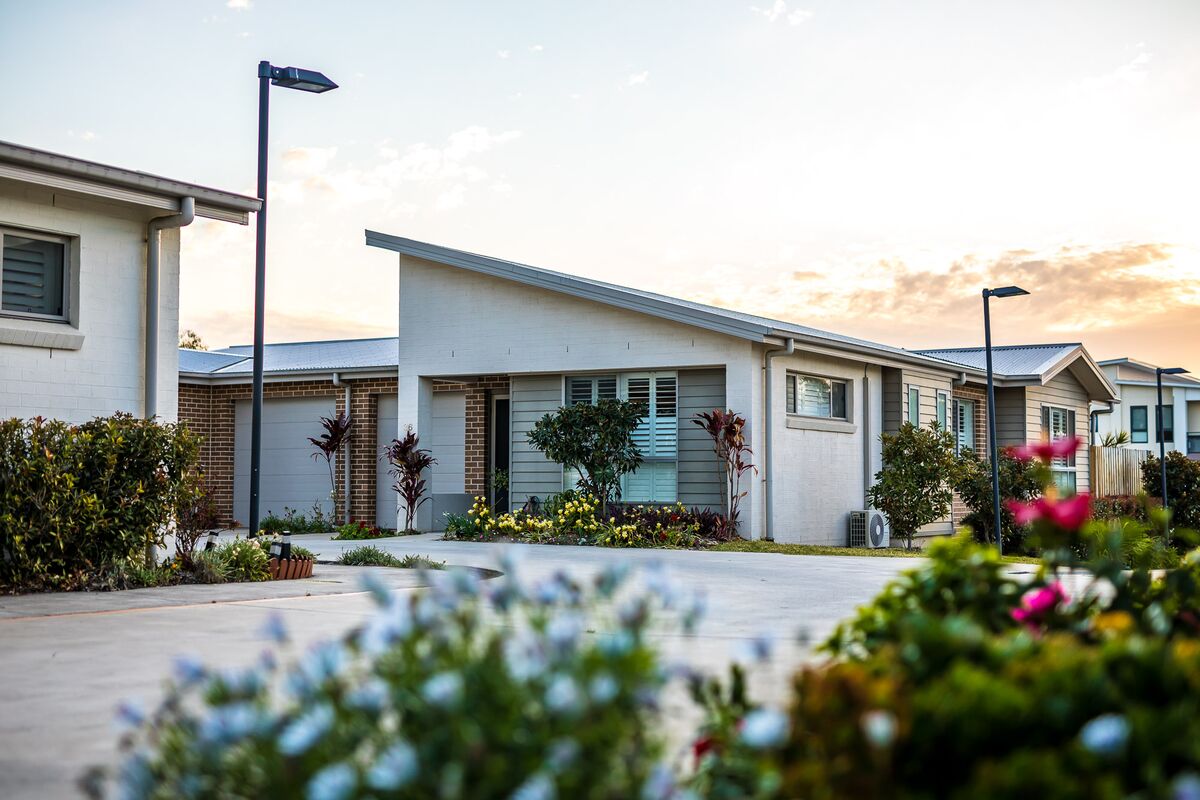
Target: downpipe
pixel 768 453
pixel 187 213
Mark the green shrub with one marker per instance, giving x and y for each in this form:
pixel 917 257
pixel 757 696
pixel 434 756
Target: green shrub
pixel 1019 480
pixel 913 488
pixel 292 521
pixel 1183 487
pixel 357 529
pixel 1120 507
pixel 77 499
pixel 210 566
pixel 369 555
pixel 303 552
pixel 245 560
pixel 428 701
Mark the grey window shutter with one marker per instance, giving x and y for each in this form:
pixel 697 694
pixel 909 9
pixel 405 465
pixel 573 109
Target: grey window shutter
pixel 32 274
pixel 1047 434
pixel 791 393
pixel 1071 432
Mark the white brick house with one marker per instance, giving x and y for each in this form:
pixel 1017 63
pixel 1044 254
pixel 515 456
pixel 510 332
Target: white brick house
pixel 73 320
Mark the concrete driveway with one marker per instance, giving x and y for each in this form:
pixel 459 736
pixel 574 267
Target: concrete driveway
pixel 67 660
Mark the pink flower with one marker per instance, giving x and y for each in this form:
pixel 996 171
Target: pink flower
pixel 1045 451
pixel 1037 603
pixel 1069 514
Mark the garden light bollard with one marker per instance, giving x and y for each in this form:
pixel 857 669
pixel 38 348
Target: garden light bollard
pixel 285 550
pixel 211 544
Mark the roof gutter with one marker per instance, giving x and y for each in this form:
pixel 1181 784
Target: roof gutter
pixel 187 213
pixel 770 355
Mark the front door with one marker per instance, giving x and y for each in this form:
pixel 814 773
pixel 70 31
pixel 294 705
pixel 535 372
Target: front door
pixel 501 440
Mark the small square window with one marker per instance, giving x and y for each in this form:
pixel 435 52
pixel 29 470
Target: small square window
pixel 811 396
pixel 1139 429
pixel 33 275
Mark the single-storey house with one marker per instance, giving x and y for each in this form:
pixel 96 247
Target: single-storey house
pixel 90 272
pixel 487 346
pixel 1136 415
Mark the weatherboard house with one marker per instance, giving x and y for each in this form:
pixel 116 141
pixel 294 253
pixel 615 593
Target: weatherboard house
pixel 488 346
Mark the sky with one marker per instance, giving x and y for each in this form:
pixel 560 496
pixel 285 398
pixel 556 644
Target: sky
pixel 864 167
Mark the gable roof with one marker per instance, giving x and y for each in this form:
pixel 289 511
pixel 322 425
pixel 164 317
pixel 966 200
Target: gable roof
pixel 1034 363
pixel 76 175
pixel 290 358
pixel 1186 381
pixel 700 315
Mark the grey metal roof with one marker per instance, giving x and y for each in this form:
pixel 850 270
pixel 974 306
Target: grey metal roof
pixel 722 320
pixel 19 162
pixel 1186 381
pixel 1009 360
pixel 339 355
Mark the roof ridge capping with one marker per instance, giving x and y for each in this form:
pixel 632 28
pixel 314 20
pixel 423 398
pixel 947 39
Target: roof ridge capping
pixel 714 318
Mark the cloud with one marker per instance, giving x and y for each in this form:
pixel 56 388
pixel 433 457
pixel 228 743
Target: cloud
pixel 86 136
pixel 779 11
pixel 308 160
pixel 537 48
pixel 503 53
pixel 639 78
pixel 238 5
pixel 221 329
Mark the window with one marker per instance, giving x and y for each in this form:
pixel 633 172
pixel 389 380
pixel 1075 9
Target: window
pixel 914 405
pixel 1059 423
pixel 1139 432
pixel 1193 443
pixel 942 402
pixel 816 397
pixel 1168 423
pixel 964 425
pixel 33 275
pixel 656 436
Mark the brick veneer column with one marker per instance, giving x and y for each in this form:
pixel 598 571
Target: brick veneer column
pixel 364 448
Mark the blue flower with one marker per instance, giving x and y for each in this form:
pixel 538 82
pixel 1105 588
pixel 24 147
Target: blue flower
pixel 323 662
pixel 188 670
pixel 660 785
pixel 1105 735
pixel 879 727
pixel 524 658
pixel 564 630
pixel 306 730
pixel 130 714
pixel 764 727
pixel 562 696
pixel 539 787
pixel 241 682
pixel 611 578
pixel 617 644
pixel 274 629
pixel 231 723
pixel 563 753
pixel 443 689
pixel 755 651
pixel 603 688
pixel 694 611
pixel 335 782
pixel 395 767
pixel 371 696
pixel 134 779
pixel 1186 787
pixel 386 627
pixel 372 583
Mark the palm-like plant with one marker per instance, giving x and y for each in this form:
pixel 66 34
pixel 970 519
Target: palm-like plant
pixel 729 443
pixel 337 433
pixel 408 462
pixel 1117 439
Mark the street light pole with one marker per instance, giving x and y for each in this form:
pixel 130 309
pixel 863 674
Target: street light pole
pixel 993 450
pixel 306 81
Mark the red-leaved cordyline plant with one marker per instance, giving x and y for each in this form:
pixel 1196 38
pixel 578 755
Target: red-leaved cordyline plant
pixel 337 433
pixel 408 462
pixel 729 443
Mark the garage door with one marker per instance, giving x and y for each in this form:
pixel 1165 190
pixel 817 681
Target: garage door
pixel 290 476
pixel 447 441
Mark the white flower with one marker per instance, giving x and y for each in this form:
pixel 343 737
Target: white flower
pixel 303 732
pixel 603 688
pixel 764 727
pixel 562 696
pixel 335 782
pixel 539 787
pixel 564 629
pixel 443 689
pixel 1105 735
pixel 395 767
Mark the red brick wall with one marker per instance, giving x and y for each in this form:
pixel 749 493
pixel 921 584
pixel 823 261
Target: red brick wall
pixel 478 400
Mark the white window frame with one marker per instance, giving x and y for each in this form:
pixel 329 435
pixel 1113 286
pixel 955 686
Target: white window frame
pixel 67 273
pixel 792 396
pixel 958 404
pixel 914 409
pixel 943 411
pixel 1068 466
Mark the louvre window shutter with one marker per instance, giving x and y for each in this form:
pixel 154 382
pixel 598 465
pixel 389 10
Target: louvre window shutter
pixel 1071 432
pixel 32 273
pixel 1047 434
pixel 791 394
pixel 657 437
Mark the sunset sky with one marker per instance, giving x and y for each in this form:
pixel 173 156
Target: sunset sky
pixel 865 167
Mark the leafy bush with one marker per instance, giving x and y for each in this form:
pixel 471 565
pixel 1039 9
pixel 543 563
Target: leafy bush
pixel 727 431
pixel 196 515
pixel 1120 507
pixel 357 529
pixel 245 560
pixel 210 566
pixel 425 701
pixel 303 552
pixel 1183 487
pixel 367 555
pixel 77 499
pixel 292 521
pixel 1020 480
pixel 337 433
pixel 408 463
pixel 913 488
pixel 596 440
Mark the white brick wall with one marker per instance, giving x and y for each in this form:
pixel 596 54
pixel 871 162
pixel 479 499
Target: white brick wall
pixel 105 374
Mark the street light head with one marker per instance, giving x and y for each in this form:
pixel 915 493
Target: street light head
pixel 1172 371
pixel 306 80
pixel 1007 291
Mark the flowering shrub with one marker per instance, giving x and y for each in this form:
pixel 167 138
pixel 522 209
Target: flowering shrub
pixel 357 529
pixel 425 701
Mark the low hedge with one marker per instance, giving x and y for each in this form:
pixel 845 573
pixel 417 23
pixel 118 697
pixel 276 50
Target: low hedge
pixel 76 500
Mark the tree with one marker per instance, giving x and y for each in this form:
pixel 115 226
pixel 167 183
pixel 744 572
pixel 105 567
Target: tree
pixel 913 488
pixel 596 440
pixel 729 443
pixel 337 433
pixel 1020 479
pixel 190 340
pixel 409 463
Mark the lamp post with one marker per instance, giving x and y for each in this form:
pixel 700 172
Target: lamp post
pixel 1003 291
pixel 306 81
pixel 1162 445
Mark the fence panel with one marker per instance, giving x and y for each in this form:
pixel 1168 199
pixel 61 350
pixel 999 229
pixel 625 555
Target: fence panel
pixel 1116 470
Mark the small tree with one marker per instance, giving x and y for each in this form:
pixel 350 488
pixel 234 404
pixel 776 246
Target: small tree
pixel 337 433
pixel 729 443
pixel 1020 479
pixel 190 340
pixel 913 488
pixel 1183 487
pixel 596 440
pixel 408 464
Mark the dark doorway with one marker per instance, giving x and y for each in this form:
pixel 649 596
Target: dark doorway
pixel 500 453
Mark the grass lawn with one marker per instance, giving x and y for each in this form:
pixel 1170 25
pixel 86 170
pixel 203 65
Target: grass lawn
pixel 761 546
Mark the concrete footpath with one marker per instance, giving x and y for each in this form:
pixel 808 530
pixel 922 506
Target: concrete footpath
pixel 67 660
